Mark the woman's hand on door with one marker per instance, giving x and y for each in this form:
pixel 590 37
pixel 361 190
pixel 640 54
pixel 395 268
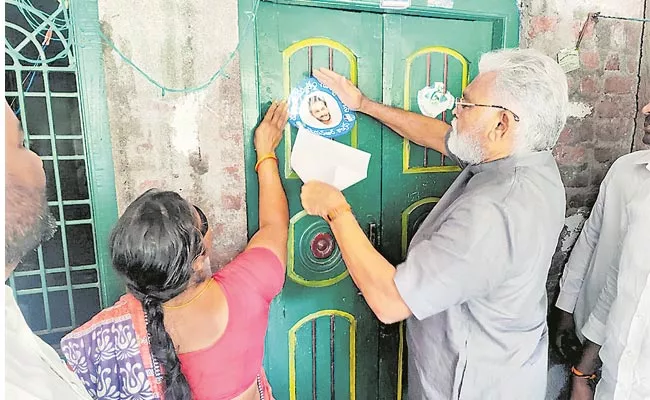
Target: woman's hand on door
pixel 269 133
pixel 349 94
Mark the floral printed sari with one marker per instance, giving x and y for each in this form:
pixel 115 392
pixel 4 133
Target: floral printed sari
pixel 111 354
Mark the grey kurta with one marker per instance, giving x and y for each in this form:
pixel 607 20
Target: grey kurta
pixel 475 277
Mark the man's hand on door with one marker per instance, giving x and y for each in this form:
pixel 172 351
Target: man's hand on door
pixel 349 94
pixel 319 198
pixel 371 272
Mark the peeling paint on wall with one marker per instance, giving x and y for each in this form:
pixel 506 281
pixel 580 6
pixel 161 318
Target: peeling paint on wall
pixel 179 142
pixel 579 110
pixel 572 225
pixel 185 123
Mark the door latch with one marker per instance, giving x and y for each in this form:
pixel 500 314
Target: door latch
pixel 372 234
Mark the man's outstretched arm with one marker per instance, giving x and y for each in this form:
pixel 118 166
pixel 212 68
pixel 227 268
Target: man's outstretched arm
pixel 370 271
pixel 417 128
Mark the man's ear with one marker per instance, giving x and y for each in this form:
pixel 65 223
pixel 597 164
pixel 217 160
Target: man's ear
pixel 500 129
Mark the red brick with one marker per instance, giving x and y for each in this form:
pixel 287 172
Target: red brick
pixel 577 131
pixel 612 64
pixel 589 29
pixel 217 229
pixel 590 59
pixel 612 130
pixel 541 24
pixel 232 171
pixel 620 84
pixel 569 155
pixel 632 65
pixel 589 87
pixel 144 147
pixel 575 175
pixel 633 34
pixel 610 152
pixel 565 135
pixel 571 83
pixel 230 202
pixel 621 107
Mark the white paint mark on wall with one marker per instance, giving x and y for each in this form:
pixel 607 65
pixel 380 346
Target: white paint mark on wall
pixel 618 36
pixel 573 225
pixel 441 3
pixel 185 122
pixel 621 8
pixel 579 110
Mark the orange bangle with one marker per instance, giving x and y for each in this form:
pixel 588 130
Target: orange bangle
pixel 576 372
pixel 336 211
pixel 264 158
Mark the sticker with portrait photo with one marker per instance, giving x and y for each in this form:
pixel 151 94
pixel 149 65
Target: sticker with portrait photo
pixel 314 107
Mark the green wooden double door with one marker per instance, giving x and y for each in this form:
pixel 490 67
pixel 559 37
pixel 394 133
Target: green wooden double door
pixel 323 341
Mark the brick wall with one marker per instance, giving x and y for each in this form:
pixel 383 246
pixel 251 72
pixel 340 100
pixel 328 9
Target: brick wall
pixel 603 93
pixel 606 93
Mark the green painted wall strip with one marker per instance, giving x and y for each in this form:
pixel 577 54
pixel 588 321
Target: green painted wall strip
pixel 97 138
pixel 250 102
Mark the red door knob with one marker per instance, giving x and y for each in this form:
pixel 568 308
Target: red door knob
pixel 322 245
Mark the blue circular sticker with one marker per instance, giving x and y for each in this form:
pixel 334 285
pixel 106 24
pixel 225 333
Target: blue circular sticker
pixel 314 107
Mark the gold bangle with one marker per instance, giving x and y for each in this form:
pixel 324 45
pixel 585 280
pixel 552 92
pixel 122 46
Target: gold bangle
pixel 264 158
pixel 336 211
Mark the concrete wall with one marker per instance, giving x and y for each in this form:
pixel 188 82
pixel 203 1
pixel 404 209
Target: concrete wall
pixel 191 143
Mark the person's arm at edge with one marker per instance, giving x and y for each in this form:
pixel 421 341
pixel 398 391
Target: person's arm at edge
pixel 273 206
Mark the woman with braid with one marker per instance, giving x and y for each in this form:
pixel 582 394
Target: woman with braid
pixel 181 332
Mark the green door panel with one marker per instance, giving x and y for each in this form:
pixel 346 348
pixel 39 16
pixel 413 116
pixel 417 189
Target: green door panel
pixel 418 52
pixel 322 338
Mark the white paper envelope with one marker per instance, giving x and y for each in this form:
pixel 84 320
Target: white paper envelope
pixel 316 158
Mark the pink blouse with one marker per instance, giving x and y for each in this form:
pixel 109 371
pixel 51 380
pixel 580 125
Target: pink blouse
pixel 227 368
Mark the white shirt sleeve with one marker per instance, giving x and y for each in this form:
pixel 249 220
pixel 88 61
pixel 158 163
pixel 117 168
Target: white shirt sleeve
pixel 594 329
pixel 580 258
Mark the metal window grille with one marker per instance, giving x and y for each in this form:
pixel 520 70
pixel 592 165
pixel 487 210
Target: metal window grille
pixel 57 286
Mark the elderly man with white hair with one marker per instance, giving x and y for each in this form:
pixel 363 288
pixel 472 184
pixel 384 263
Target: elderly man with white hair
pixel 473 283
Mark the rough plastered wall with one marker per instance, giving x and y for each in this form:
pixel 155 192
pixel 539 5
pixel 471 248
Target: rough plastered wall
pixel 190 143
pixel 606 94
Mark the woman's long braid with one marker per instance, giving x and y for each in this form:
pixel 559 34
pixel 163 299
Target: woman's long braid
pixel 154 246
pixel 162 347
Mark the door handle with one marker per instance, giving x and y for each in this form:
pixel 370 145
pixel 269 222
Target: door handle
pixel 373 235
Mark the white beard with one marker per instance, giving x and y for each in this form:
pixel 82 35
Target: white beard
pixel 465 146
